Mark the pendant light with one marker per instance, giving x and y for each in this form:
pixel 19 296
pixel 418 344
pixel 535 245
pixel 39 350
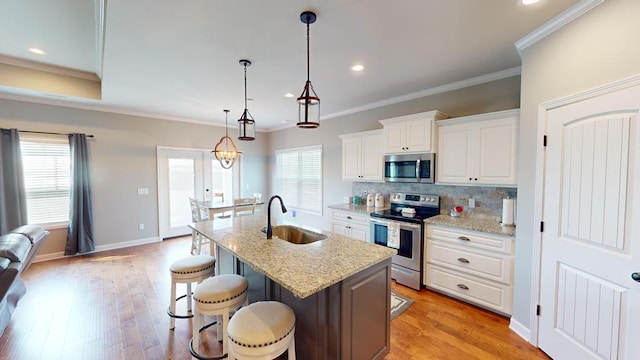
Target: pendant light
pixel 246 124
pixel 308 102
pixel 226 151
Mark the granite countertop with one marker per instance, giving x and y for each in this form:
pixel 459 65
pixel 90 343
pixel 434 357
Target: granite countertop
pixel 483 224
pixel 302 269
pixel 365 210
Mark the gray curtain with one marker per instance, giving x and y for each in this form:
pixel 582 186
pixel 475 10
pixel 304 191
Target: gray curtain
pixel 13 203
pixel 80 231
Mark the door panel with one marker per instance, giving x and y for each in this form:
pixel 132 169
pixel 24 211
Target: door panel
pixel 184 173
pixel 590 305
pixel 180 176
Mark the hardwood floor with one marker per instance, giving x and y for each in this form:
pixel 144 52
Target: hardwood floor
pixel 112 305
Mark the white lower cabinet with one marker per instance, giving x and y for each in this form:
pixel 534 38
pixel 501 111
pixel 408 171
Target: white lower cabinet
pixel 351 224
pixel 473 266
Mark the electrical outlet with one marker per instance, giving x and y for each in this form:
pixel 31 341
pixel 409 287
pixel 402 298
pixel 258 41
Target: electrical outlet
pixel 472 202
pixel 143 191
pixel 141 226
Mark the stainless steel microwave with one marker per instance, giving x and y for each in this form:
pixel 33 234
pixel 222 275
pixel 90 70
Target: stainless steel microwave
pixel 410 168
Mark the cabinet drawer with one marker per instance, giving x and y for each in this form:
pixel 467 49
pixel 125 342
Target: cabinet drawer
pixel 492 266
pixel 471 239
pixel 487 294
pixel 352 218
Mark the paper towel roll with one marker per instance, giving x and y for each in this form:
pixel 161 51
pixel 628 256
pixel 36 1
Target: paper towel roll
pixel 507 211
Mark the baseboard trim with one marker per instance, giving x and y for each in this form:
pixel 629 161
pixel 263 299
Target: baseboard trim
pixel 520 329
pixel 100 248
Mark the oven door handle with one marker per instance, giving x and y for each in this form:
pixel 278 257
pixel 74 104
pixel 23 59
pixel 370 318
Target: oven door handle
pixel 402 223
pixel 378 221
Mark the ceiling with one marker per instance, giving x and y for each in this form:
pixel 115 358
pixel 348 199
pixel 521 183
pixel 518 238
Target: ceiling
pixel 179 59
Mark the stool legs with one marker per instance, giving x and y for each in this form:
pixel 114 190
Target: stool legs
pixel 172 304
pixel 291 351
pixel 222 321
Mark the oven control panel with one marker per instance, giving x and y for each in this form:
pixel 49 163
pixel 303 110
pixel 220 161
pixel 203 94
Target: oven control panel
pixel 415 199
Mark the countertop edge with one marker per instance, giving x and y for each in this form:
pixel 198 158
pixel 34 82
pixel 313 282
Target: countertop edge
pixel 475 224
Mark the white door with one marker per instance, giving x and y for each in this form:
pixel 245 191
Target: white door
pixel 184 173
pixel 590 305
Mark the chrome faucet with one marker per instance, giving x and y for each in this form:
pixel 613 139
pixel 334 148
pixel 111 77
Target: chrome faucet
pixel 284 210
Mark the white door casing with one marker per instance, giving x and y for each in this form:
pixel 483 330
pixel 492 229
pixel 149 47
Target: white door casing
pixel 590 305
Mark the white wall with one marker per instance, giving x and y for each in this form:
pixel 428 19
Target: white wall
pixel 597 48
pixel 123 158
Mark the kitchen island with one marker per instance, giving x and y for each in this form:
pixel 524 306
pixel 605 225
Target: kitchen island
pixel 339 288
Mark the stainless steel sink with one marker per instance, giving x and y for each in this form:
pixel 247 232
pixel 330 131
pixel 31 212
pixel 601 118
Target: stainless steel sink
pixel 295 235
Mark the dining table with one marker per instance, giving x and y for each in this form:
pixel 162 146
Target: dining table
pixel 216 206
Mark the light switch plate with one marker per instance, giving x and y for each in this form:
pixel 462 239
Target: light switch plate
pixel 143 191
pixel 472 202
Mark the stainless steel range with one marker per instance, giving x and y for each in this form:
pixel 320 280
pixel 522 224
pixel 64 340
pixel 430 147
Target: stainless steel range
pixel 402 228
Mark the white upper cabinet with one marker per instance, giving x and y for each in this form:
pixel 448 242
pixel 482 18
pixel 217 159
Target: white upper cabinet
pixel 410 134
pixel 362 156
pixel 479 149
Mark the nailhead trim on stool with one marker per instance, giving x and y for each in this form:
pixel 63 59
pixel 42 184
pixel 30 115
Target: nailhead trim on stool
pixel 262 330
pixel 188 270
pixel 217 296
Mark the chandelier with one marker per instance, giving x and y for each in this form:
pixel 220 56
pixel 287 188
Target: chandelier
pixel 226 151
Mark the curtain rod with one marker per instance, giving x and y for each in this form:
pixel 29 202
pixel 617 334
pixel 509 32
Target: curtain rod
pixel 48 133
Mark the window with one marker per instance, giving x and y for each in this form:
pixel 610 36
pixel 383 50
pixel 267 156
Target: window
pixel 46 162
pixel 299 178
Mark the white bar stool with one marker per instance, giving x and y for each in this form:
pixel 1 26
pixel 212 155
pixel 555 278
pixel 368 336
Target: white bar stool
pixel 263 330
pixel 188 270
pixel 217 296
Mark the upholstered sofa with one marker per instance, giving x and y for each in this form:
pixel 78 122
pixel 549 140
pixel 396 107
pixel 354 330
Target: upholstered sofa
pixel 18 248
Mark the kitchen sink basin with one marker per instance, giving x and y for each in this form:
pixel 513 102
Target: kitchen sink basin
pixel 295 235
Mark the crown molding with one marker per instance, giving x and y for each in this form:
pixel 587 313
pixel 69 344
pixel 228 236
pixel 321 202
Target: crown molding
pixel 498 75
pixel 567 16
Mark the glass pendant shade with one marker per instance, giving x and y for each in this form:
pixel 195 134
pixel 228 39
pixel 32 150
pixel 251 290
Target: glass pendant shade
pixel 246 127
pixel 308 108
pixel 308 102
pixel 226 151
pixel 246 124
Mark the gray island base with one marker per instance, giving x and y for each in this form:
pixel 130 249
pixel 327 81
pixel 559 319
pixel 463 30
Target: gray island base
pixel 339 287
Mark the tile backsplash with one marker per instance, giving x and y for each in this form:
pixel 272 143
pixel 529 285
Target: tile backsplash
pixel 488 200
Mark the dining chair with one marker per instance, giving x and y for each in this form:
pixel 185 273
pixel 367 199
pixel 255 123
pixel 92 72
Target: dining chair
pixel 198 213
pixel 215 195
pixel 244 206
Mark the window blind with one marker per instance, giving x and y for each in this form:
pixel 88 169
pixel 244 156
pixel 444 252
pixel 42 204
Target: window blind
pixel 46 163
pixel 299 178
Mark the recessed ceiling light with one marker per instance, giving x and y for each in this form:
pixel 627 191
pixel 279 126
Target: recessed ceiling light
pixel 528 2
pixel 289 95
pixel 36 51
pixel 357 67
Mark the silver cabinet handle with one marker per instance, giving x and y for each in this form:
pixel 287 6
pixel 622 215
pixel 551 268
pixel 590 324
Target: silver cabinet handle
pixel 463 238
pixel 636 276
pixel 463 260
pixel 463 286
